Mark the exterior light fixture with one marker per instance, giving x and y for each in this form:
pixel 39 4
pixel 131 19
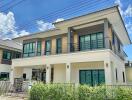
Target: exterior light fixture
pixel 67 66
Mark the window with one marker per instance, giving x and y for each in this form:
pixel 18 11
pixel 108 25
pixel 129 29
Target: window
pixel 116 75
pixel 29 49
pixel 92 41
pixel 47 47
pixel 92 77
pixel 100 40
pixel 4 76
pixel 38 48
pixel 58 45
pixel 6 55
pixel 119 45
pixel 123 76
pixel 18 55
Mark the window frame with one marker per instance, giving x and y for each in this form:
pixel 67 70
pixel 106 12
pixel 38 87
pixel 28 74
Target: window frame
pixel 58 47
pixel 6 52
pixel 29 49
pixel 39 49
pixel 91 47
pixel 47 52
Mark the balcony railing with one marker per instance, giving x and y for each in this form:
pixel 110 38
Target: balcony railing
pixel 75 47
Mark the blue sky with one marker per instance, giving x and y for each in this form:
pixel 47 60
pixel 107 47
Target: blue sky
pixel 29 16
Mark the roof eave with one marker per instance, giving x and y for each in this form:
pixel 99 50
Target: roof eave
pixel 130 42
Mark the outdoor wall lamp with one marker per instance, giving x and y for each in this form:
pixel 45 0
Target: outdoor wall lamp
pixel 67 66
pixel 106 64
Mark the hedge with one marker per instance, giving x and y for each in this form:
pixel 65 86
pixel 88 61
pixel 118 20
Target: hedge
pixel 82 92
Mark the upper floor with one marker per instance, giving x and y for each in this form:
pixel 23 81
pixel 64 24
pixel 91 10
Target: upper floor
pixel 8 51
pixel 99 30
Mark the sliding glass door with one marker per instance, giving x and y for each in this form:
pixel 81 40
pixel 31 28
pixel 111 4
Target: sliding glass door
pixel 92 77
pixel 91 41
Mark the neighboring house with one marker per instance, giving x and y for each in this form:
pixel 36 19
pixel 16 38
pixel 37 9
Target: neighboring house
pixel 129 72
pixel 8 51
pixel 87 49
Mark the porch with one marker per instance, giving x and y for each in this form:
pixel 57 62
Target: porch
pixel 75 68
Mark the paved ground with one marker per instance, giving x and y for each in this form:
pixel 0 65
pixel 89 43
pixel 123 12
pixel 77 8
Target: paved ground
pixel 12 98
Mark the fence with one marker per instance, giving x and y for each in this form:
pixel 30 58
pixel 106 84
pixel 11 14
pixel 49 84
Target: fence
pixel 8 89
pixel 82 92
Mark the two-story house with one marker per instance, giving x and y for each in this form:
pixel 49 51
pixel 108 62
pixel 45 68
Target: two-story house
pixel 86 49
pixel 8 51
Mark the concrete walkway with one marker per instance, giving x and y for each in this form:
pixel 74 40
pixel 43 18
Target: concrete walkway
pixel 12 98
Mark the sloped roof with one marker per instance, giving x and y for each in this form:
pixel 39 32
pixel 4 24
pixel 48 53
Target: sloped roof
pixel 10 44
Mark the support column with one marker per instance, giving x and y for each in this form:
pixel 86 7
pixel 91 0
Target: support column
pixel 48 73
pixel 69 39
pixel 106 34
pixel 108 72
pixel 12 76
pixel 68 73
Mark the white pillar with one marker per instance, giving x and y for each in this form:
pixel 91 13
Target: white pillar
pixel 12 76
pixel 108 72
pixel 48 73
pixel 106 34
pixel 68 73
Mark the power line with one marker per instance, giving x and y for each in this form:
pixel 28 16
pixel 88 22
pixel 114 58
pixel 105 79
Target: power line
pixel 60 10
pixel 14 5
pixel 75 11
pixel 7 4
pixel 63 12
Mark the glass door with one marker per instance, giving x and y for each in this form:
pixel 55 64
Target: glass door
pixel 92 77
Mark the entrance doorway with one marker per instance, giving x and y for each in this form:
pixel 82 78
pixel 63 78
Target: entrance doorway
pixel 39 75
pixel 92 77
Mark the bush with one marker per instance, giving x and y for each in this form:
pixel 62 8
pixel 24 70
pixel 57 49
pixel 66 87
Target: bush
pixel 52 92
pixel 82 92
pixel 123 93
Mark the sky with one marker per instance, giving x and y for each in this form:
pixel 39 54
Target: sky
pixel 24 17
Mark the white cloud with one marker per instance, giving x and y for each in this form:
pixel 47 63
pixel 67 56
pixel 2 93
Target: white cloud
pixel 59 19
pixel 23 33
pixel 43 26
pixel 118 2
pixel 129 27
pixel 128 11
pixel 8 28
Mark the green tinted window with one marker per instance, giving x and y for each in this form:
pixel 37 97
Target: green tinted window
pixel 92 41
pixel 58 45
pixel 7 55
pixel 39 48
pixel 29 49
pixel 48 47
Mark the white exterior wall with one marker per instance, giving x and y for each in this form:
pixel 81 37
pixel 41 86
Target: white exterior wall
pixel 28 72
pixel 5 68
pixel 120 65
pixel 59 73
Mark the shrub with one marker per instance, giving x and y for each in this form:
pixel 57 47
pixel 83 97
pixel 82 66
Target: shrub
pixel 123 93
pixel 52 92
pixel 82 92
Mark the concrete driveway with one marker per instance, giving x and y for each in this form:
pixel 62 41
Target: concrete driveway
pixel 12 98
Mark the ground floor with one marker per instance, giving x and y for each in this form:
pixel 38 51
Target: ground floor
pixel 92 68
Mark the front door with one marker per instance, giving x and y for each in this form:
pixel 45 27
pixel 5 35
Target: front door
pixel 92 77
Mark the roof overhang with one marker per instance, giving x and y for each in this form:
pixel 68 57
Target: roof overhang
pixel 10 48
pixel 112 14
